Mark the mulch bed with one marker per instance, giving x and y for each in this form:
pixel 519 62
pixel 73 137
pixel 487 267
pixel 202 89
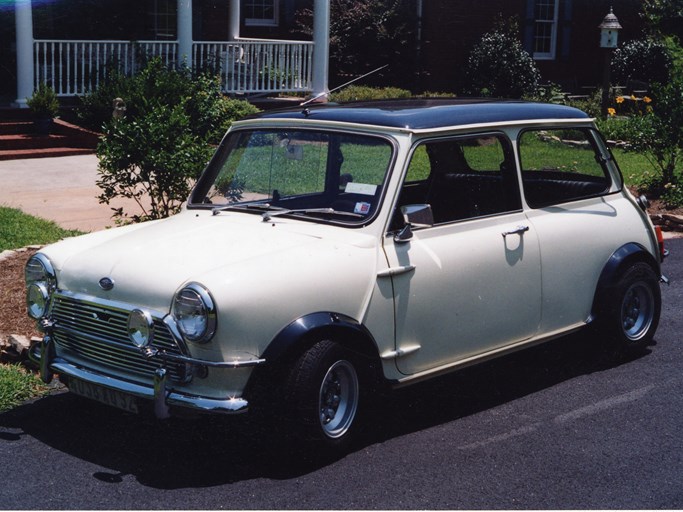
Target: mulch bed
pixel 13 317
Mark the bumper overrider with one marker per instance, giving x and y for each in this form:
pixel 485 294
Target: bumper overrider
pixel 161 392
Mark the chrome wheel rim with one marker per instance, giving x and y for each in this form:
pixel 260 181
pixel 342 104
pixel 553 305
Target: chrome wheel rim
pixel 338 399
pixel 637 310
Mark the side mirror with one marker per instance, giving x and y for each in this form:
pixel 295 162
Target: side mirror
pixel 414 216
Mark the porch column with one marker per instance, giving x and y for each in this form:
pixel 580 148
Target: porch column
pixel 234 27
pixel 321 50
pixel 185 32
pixel 24 24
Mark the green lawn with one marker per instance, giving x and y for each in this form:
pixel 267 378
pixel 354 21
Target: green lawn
pixel 19 230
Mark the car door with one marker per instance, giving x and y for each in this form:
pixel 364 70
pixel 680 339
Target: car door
pixel 567 184
pixel 470 283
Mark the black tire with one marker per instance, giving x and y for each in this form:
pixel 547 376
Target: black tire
pixel 322 396
pixel 630 312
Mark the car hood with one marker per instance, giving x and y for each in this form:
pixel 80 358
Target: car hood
pixel 149 262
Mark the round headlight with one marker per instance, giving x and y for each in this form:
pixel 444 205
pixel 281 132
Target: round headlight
pixel 140 328
pixel 39 270
pixel 36 300
pixel 195 313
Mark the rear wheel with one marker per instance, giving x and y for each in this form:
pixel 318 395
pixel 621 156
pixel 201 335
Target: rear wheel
pixel 631 311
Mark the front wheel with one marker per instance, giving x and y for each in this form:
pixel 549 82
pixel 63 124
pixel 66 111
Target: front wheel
pixel 631 312
pixel 323 393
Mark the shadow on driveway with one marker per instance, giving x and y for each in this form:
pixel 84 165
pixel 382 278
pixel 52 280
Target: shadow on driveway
pixel 209 451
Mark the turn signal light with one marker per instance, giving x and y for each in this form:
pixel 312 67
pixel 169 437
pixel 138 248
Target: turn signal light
pixel 663 253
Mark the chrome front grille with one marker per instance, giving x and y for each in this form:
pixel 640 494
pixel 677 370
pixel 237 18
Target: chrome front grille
pixel 94 334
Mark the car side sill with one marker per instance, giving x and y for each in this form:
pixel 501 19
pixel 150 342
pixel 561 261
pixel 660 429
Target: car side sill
pixel 485 356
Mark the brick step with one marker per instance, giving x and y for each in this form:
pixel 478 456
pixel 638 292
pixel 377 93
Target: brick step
pixel 30 141
pixel 15 114
pixel 11 154
pixel 15 127
pixel 18 140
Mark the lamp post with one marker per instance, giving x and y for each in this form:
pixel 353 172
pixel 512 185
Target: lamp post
pixel 609 33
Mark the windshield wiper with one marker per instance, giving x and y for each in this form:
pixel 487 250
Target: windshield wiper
pixel 330 211
pixel 249 206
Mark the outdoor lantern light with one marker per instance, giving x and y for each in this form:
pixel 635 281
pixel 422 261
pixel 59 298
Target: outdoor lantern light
pixel 609 30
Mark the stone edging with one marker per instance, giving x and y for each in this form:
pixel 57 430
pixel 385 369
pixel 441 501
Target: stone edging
pixel 13 252
pixel 668 222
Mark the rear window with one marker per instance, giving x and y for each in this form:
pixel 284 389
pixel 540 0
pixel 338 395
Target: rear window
pixel 562 165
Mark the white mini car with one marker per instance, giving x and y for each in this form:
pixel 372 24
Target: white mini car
pixel 327 249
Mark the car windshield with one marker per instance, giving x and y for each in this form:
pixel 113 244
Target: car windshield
pixel 321 175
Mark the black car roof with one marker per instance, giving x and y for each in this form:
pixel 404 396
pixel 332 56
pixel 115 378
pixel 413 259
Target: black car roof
pixel 427 113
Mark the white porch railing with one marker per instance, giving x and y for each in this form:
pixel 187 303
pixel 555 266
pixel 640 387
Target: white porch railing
pixel 258 66
pixel 245 66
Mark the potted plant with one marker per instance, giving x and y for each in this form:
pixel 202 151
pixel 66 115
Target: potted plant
pixel 45 107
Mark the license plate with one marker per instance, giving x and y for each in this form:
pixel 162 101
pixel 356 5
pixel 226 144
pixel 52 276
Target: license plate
pixel 103 395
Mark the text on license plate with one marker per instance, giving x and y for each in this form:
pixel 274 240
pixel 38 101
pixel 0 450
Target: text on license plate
pixel 103 395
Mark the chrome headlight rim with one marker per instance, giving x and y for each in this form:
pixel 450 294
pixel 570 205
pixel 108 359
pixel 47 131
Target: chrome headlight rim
pixel 209 315
pixel 140 328
pixel 37 298
pixel 47 272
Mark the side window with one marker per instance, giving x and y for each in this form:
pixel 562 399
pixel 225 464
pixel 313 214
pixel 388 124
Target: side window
pixel 461 178
pixel 560 166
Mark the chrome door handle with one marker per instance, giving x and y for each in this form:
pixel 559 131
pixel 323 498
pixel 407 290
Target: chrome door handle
pixel 517 231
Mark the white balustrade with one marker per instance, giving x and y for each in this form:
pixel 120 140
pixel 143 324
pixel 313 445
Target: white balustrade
pixel 258 66
pixel 73 68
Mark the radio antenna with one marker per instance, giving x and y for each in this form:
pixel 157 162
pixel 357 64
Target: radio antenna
pixel 320 95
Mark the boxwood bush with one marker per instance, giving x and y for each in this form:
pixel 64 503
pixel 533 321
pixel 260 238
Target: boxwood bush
pixel 156 151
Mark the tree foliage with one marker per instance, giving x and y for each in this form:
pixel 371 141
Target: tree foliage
pixel 155 153
pixel 664 17
pixel 647 60
pixel 498 65
pixel 367 34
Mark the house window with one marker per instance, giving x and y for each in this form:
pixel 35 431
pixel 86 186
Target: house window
pixel 163 19
pixel 545 28
pixel 261 12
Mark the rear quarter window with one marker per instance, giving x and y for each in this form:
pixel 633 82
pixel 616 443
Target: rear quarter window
pixel 561 165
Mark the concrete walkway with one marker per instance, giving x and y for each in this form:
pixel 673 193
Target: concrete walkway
pixel 60 189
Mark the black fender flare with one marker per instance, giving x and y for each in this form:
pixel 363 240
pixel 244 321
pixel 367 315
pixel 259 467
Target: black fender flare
pixel 615 265
pixel 307 329
pixel 302 334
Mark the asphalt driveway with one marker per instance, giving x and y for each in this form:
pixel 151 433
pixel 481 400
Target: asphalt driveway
pixel 558 426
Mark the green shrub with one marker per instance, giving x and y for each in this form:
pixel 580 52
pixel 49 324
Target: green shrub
pixel 43 103
pixel 153 159
pixel 672 196
pixel 658 134
pixel 498 66
pixel 157 150
pixel 615 128
pixel 210 112
pixel 363 93
pixel 645 60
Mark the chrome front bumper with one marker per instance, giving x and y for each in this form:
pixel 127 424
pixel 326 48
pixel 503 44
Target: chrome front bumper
pixel 43 354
